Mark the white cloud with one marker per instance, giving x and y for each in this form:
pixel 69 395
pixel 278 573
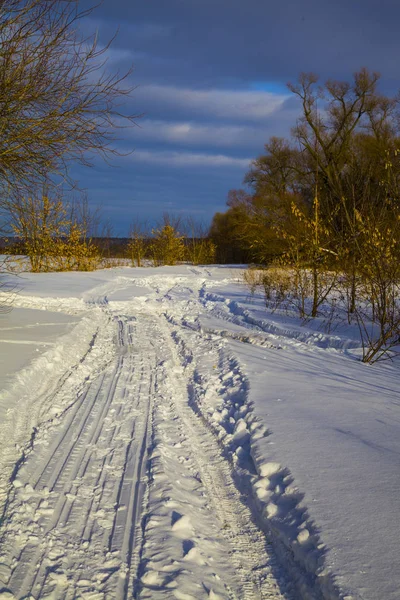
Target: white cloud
pixel 189 159
pixel 228 104
pixel 190 133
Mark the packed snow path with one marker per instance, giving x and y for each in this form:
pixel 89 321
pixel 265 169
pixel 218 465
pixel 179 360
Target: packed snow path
pixel 81 489
pixel 126 493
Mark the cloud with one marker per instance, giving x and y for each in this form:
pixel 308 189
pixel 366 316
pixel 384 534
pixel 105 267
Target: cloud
pixel 254 40
pixel 189 159
pixel 189 133
pixel 210 82
pixel 149 31
pixel 145 190
pixel 181 128
pixel 115 55
pixel 234 105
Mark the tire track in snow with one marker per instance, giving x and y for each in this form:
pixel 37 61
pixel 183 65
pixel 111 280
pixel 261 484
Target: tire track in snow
pixel 45 390
pixel 246 545
pixel 73 526
pixel 266 332
pixel 254 561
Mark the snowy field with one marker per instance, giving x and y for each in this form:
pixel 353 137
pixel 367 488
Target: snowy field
pixel 163 436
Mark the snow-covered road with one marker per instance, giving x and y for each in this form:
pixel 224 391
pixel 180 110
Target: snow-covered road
pixel 135 464
pixel 124 493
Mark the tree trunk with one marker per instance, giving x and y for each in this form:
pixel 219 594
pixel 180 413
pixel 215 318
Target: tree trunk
pixel 315 292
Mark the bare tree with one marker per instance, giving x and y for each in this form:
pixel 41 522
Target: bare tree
pixel 200 249
pixel 340 176
pixel 89 219
pixel 58 103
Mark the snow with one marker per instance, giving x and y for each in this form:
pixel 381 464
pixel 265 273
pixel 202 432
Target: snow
pixel 164 435
pixel 336 424
pixel 27 333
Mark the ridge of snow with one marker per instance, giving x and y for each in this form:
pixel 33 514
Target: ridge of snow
pixel 32 398
pixel 224 404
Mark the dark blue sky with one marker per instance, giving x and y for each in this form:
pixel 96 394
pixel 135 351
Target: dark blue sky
pixel 210 81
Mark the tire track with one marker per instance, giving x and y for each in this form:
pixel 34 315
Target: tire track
pixel 73 528
pixel 130 495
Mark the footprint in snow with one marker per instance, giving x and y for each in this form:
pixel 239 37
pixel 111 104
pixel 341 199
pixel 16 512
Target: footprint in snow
pixel 181 525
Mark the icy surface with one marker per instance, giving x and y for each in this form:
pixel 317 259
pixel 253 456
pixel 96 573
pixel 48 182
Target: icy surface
pixel 153 416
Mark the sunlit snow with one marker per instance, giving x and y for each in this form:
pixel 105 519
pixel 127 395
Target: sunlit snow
pixel 163 436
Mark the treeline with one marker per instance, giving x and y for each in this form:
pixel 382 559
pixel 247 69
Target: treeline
pixel 57 235
pixel 325 204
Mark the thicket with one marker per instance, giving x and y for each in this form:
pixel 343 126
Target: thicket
pixel 173 240
pixel 55 236
pixel 323 211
